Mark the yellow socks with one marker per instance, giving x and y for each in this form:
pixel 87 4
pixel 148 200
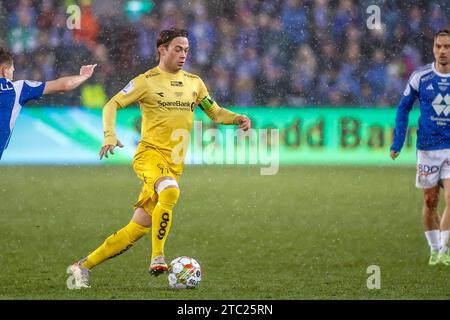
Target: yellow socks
pixel 162 219
pixel 123 239
pixel 116 244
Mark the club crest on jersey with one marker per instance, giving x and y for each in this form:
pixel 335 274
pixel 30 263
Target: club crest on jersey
pixel 443 84
pixel 128 88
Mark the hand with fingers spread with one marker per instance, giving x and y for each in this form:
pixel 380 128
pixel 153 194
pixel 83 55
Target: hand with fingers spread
pixel 69 83
pixel 87 71
pixel 109 147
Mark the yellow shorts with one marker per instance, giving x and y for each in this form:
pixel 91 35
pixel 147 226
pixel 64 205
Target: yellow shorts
pixel 150 165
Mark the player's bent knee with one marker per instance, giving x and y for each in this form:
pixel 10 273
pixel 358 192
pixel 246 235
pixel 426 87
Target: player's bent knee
pixel 142 218
pixel 168 192
pixel 169 196
pixel 164 184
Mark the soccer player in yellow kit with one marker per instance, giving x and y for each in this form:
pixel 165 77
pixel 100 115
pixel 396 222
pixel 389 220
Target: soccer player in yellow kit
pixel 167 96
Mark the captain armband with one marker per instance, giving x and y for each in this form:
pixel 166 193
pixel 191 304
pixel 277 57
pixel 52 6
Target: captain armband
pixel 206 103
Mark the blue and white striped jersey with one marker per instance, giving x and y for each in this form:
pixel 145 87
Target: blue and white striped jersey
pixel 432 89
pixel 13 96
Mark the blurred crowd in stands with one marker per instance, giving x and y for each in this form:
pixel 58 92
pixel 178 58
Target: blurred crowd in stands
pixel 249 52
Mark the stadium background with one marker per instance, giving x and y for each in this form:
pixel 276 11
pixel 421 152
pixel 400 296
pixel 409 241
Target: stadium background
pixel 275 53
pixel 293 65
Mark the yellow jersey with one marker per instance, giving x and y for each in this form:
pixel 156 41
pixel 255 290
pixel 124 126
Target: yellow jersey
pixel 167 102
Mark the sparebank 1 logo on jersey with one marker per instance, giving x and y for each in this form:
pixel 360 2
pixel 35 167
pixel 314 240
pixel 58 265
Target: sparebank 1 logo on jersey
pixel 441 104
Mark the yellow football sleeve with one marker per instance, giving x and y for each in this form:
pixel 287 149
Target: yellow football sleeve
pixel 109 122
pixel 212 109
pixel 221 115
pixel 134 91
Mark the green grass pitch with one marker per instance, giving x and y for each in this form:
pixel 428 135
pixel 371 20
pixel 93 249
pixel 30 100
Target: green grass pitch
pixel 306 233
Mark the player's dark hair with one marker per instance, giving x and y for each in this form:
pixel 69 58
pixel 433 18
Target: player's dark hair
pixel 5 57
pixel 166 36
pixel 443 32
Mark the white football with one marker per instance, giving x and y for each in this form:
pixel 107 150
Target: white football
pixel 184 273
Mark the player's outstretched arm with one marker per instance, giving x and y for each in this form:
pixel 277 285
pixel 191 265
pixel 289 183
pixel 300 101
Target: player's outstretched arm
pixel 109 123
pixel 222 115
pixel 69 83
